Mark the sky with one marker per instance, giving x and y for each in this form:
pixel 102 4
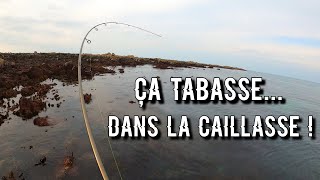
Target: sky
pixel 277 37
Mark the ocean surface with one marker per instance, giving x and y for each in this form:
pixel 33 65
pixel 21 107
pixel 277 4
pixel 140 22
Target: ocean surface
pixel 164 158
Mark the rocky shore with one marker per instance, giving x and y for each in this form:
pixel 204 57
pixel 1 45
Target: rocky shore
pixel 26 88
pixel 23 74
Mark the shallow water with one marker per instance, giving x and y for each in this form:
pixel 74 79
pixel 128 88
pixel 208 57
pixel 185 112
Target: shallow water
pixel 164 158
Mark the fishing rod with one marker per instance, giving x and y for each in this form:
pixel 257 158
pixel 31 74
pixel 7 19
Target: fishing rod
pixel 83 107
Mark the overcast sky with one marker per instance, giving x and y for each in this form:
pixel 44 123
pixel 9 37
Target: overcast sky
pixel 278 37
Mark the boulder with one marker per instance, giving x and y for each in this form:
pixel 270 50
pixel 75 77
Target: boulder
pixel 87 98
pixel 30 107
pixel 68 162
pixel 41 121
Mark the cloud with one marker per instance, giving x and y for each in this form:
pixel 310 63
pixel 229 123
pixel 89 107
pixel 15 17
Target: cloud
pixel 274 32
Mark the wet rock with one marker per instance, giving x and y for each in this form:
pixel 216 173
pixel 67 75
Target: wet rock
pixel 41 162
pixel 41 121
pixel 14 107
pixel 56 97
pixel 27 91
pixel 37 73
pixel 87 98
pixel 69 64
pixel 162 66
pixel 102 70
pixel 30 107
pixel 68 162
pixel 30 70
pixel 1 121
pixel 41 90
pixel 121 70
pixel 3 117
pixel 9 93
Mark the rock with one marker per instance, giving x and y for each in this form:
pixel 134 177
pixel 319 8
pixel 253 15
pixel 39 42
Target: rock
pixel 9 93
pixel 41 121
pixel 68 64
pixel 30 70
pixel 101 69
pixel 14 107
pixel 1 120
pixel 68 162
pixel 162 66
pixel 87 98
pixel 121 70
pixel 56 97
pixel 12 64
pixel 30 107
pixel 3 117
pixel 42 161
pixel 37 73
pixel 2 62
pixel 43 89
pixel 27 91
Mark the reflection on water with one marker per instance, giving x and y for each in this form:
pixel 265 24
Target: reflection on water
pixel 163 158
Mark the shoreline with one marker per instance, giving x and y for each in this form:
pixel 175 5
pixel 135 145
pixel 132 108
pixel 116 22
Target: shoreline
pixel 23 74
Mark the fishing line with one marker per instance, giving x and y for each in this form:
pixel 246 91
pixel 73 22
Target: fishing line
pixel 101 116
pixel 83 107
pixel 105 130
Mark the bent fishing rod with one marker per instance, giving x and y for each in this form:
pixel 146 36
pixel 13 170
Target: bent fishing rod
pixel 83 107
